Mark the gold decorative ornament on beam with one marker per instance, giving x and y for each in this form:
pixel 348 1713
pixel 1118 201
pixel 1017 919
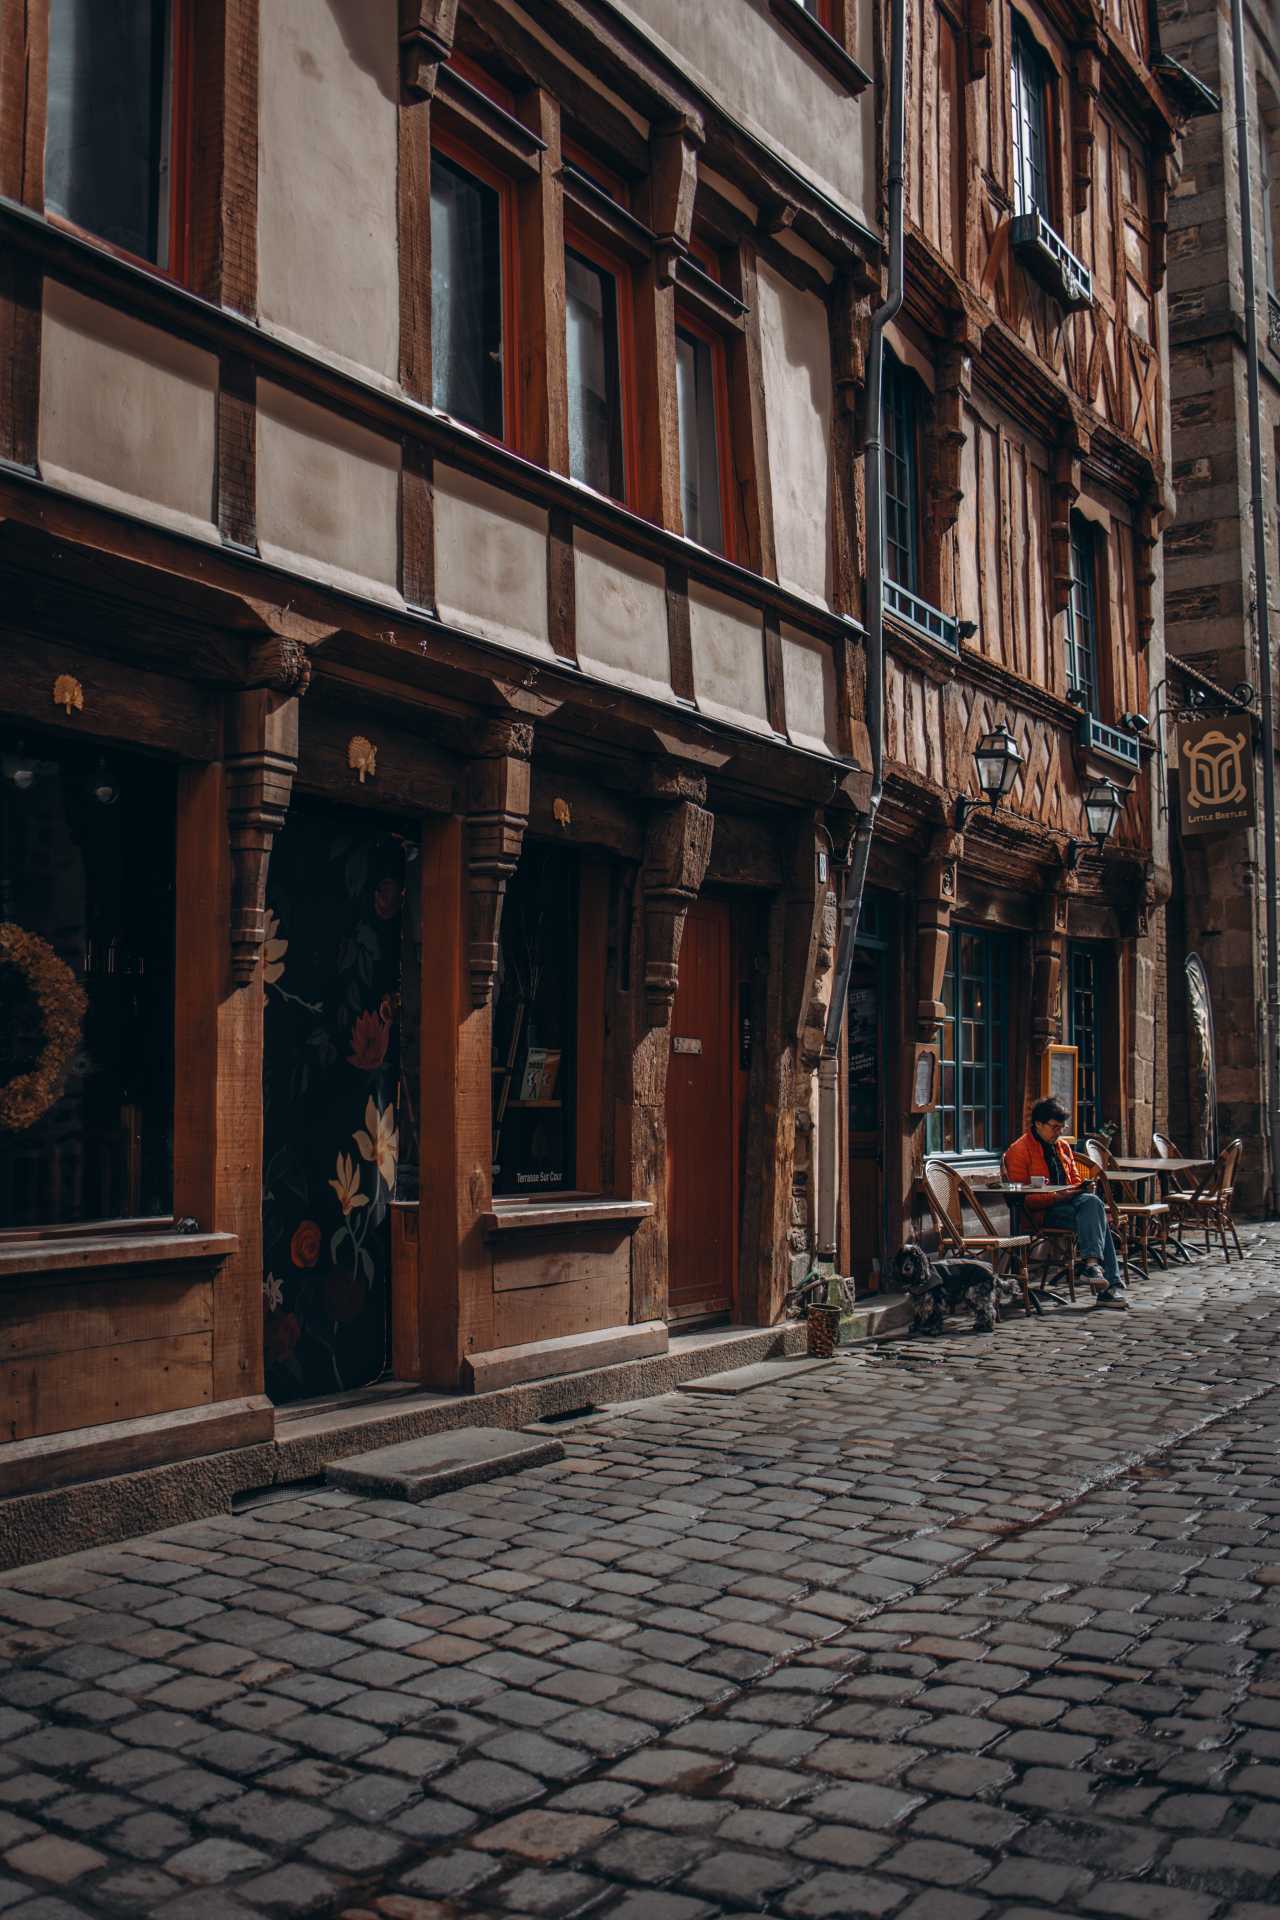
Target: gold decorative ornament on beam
pixel 562 812
pixel 68 694
pixel 362 757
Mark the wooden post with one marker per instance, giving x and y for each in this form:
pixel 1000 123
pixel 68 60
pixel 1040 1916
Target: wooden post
pixel 544 373
pixel 934 904
pixel 24 36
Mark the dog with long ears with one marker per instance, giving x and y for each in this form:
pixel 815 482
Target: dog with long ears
pixel 940 1287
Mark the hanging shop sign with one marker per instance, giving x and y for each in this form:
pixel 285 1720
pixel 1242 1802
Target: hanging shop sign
pixel 1215 757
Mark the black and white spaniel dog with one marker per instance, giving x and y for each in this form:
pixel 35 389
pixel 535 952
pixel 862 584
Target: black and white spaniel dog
pixel 939 1287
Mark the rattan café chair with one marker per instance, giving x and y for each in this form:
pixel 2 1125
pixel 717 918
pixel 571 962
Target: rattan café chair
pixel 948 1195
pixel 1053 1251
pixel 1210 1204
pixel 1140 1225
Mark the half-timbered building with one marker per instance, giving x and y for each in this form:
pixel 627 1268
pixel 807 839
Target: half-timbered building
pixel 430 687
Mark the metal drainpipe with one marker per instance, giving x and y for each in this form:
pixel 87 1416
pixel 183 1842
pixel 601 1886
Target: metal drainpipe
pixel 873 447
pixel 1262 613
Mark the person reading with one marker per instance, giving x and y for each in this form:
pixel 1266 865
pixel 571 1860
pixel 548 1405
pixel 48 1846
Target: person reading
pixel 1041 1157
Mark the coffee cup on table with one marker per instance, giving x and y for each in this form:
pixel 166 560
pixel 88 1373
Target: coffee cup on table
pixel 1038 1180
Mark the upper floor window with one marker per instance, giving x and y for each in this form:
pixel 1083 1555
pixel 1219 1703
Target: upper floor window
pixel 1082 616
pixel 702 402
pixel 1032 178
pixel 117 144
pixel 470 223
pixel 901 474
pixel 595 318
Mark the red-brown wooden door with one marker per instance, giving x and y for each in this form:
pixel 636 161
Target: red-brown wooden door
pixel 705 1076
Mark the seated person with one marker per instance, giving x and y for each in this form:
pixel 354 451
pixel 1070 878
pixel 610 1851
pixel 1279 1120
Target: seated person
pixel 1040 1154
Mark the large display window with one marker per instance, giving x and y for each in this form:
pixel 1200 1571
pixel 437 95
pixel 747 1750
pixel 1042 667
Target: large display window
pixel 534 1027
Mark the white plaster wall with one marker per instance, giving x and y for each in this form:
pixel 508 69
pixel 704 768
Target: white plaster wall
pixel 127 413
pixel 809 685
pixel 621 617
pixel 796 357
pixel 328 495
pixel 740 54
pixel 491 562
pixel 327 155
pixel 727 642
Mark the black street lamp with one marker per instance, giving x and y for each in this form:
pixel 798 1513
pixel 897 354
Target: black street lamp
pixel 1103 805
pixel 998 761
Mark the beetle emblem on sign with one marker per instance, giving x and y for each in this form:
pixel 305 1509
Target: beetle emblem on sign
pixel 1216 769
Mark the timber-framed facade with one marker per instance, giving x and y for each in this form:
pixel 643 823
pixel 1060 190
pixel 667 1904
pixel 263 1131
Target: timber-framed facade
pixel 428 830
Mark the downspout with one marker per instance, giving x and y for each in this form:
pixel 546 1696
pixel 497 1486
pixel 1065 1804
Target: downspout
pixel 873 449
pixel 1262 611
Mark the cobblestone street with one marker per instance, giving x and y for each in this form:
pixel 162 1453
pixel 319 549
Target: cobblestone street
pixel 946 1630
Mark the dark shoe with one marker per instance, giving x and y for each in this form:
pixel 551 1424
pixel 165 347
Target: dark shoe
pixel 1091 1273
pixel 1110 1298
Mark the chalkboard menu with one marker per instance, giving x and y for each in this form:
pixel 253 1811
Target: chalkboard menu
pixel 1061 1069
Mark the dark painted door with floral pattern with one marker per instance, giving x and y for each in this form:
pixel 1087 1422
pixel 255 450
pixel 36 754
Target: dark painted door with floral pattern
pixel 330 1073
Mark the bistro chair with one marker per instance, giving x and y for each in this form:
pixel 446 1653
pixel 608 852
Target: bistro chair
pixel 1053 1250
pixel 1182 1210
pixel 1134 1222
pixel 948 1195
pixel 1210 1204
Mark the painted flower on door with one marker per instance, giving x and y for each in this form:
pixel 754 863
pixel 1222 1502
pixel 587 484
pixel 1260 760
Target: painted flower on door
pixel 331 1078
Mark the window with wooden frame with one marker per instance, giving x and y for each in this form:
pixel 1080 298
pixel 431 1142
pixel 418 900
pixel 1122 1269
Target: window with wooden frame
pixel 901 474
pixel 1032 104
pixel 118 146
pixel 702 404
pixel 598 342
pixel 1082 617
pixel 1085 993
pixel 474 296
pixel 827 30
pixel 973 1108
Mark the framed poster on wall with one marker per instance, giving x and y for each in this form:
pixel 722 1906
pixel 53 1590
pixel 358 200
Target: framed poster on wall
pixel 926 1075
pixel 1059 1076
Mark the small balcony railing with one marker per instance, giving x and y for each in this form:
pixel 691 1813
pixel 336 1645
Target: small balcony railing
pixel 920 617
pixel 1111 741
pixel 1046 256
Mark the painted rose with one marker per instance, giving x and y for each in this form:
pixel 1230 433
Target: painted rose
pixel 304 1248
pixel 386 898
pixel 344 1295
pixel 378 1141
pixel 369 1038
pixel 274 950
pixel 347 1185
pixel 280 1336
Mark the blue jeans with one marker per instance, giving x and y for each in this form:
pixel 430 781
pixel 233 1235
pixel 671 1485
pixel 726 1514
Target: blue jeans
pixel 1086 1217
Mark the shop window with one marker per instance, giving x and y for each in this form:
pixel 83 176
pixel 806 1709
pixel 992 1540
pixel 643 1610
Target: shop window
pixel 702 402
pixel 117 145
pixel 1082 617
pixel 596 318
pixel 535 1027
pixel 901 474
pixel 1084 987
pixel 973 1111
pixel 1031 83
pixel 86 986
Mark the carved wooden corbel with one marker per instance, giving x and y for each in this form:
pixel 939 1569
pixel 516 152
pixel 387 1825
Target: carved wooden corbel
pixel 263 727
pixel 279 662
pixel 946 442
pixel 1146 535
pixel 1162 176
pixel 673 186
pixel 980 20
pixel 426 41
pixel 1084 112
pixel 1064 491
pixel 1049 957
pixel 939 885
pixel 676 852
pixel 497 814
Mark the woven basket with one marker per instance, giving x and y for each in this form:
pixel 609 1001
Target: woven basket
pixel 822 1325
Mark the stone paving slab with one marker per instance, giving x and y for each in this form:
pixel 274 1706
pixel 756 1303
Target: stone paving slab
pixel 441 1463
pixel 765 1373
pixel 990 1632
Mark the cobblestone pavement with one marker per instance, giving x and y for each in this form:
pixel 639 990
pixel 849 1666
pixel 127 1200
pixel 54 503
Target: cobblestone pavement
pixel 956 1629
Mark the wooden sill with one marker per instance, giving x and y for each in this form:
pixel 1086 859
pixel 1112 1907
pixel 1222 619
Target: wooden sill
pixel 76 1255
pixel 824 46
pixel 521 1215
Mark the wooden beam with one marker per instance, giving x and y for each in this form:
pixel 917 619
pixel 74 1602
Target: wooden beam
pixel 748 423
pixel 544 374
pixel 23 60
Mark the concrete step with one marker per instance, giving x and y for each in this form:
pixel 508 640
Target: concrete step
pixel 765 1373
pixel 441 1463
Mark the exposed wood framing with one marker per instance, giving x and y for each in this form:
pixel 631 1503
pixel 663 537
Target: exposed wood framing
pixel 427 28
pixel 673 186
pixel 1050 950
pixel 935 901
pixel 677 849
pixel 544 374
pixel 1087 74
pixel 261 760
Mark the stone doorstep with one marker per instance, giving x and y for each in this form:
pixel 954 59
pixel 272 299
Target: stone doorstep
pixel 765 1373
pixel 572 1353
pixel 441 1463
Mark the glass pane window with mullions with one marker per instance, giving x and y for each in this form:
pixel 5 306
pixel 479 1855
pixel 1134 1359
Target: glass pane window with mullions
pixel 86 985
pixel 595 386
pixel 534 1025
pixel 972 1112
pixel 1030 81
pixel 466 296
pixel 1083 1024
pixel 696 400
pixel 901 475
pixel 115 159
pixel 1082 616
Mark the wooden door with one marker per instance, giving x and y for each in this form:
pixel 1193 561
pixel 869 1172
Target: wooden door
pixel 705 1078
